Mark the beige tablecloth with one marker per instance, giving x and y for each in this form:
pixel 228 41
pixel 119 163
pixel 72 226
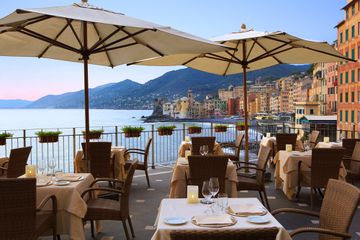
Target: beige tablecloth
pixel 71 207
pixel 179 208
pixel 81 166
pixel 187 145
pixel 329 145
pixel 178 181
pixel 286 173
pixel 271 142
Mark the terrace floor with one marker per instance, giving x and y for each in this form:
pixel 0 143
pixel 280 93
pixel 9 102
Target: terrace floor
pixel 144 203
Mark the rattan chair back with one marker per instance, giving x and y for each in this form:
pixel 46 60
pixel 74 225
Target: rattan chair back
pixel 243 234
pixel 285 138
pixel 202 168
pixel 101 164
pixel 17 208
pixel 313 138
pixel 238 143
pixel 17 162
pixel 325 164
pixel 349 145
pixel 147 150
pixel 197 142
pixel 338 207
pixel 124 198
pixel 264 155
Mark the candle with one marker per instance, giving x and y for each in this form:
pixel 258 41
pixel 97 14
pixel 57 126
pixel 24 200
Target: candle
pixel 288 147
pixel 187 153
pixel 326 139
pixel 268 135
pixel 192 194
pixel 30 171
pixel 187 139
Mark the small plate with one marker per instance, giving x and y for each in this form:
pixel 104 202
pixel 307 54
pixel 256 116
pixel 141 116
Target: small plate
pixel 175 220
pixel 258 219
pixel 61 183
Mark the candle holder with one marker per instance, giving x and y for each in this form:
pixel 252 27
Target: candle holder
pixel 288 147
pixel 268 135
pixel 326 139
pixel 187 153
pixel 192 194
pixel 30 171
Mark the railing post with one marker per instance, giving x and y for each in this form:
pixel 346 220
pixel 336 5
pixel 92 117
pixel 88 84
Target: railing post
pixel 283 127
pixel 353 131
pixel 116 135
pixel 24 137
pixel 74 142
pixel 184 132
pixel 152 147
pixel 211 129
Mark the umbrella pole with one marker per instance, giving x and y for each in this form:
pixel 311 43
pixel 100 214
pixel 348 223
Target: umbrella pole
pixel 85 57
pixel 246 116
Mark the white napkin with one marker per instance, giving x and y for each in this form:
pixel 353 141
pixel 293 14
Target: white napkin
pixel 246 209
pixel 183 161
pixel 69 177
pixel 212 219
pixel 41 182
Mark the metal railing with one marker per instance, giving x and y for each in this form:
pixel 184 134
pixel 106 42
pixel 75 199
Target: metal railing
pixel 164 149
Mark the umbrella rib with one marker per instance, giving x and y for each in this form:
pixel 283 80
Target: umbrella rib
pixel 106 52
pixel 56 37
pixel 252 47
pixel 114 48
pixel 74 32
pixel 46 39
pixel 190 60
pixel 221 59
pixel 276 59
pixel 232 55
pixel 102 41
pixel 14 28
pixel 142 43
pixel 270 53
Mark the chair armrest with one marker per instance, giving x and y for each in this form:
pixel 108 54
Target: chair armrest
pixel 319 230
pixel 45 200
pixel 101 189
pixel 3 168
pixel 227 145
pixel 248 163
pixel 250 167
pixel 111 180
pixel 4 163
pixel 137 151
pixel 294 210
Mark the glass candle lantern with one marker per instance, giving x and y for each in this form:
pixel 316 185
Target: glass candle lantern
pixel 192 194
pixel 30 171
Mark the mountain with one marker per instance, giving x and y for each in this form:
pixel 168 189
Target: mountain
pixel 16 103
pixel 128 94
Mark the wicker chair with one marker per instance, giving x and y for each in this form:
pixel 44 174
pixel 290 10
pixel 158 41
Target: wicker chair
pixel 325 164
pixel 353 169
pixel 15 167
pixel 336 213
pixel 349 145
pixel 257 184
pixel 107 209
pixel 19 217
pixel 204 167
pixel 144 164
pixel 197 142
pixel 243 234
pixel 101 162
pixel 285 138
pixel 235 158
pixel 313 138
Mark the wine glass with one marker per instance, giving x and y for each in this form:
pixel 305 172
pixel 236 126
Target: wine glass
pixel 52 165
pixel 41 165
pixel 206 149
pixel 201 150
pixel 205 191
pixel 214 186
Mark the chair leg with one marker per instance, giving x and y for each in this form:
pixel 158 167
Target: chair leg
pixel 147 177
pixel 261 198
pixel 58 237
pixel 92 228
pixel 267 202
pixel 125 229
pixel 311 197
pixel 298 192
pixel 131 227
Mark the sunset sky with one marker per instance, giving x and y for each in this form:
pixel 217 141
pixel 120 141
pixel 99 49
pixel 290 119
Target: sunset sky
pixel 32 78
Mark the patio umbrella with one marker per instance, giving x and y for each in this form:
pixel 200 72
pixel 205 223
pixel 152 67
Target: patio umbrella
pixel 252 50
pixel 83 33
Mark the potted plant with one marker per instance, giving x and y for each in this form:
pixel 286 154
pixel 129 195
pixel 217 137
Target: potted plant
pixel 165 130
pixel 240 126
pixel 3 137
pixel 131 131
pixel 93 134
pixel 194 129
pixel 220 128
pixel 48 136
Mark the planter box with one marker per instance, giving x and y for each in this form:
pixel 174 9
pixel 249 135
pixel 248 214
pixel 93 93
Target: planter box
pixel 240 127
pixel 93 135
pixel 2 141
pixel 220 128
pixel 48 139
pixel 194 130
pixel 165 132
pixel 132 134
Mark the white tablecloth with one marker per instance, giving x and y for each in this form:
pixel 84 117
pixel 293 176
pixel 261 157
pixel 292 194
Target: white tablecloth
pixel 187 145
pixel 329 145
pixel 81 166
pixel 180 208
pixel 271 142
pixel 178 181
pixel 71 207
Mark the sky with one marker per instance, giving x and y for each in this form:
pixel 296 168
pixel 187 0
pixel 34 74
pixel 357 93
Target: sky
pixel 32 78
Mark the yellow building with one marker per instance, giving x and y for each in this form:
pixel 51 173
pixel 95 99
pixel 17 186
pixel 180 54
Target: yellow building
pixel 305 108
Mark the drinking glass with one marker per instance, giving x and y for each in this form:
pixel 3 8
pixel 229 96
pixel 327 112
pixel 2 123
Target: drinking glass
pixel 214 186
pixel 206 149
pixel 52 165
pixel 41 165
pixel 205 191
pixel 201 150
pixel 223 202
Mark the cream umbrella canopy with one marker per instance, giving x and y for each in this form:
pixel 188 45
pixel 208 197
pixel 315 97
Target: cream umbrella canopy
pixel 91 35
pixel 252 50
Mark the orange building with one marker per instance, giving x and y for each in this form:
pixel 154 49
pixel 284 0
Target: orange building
pixel 349 72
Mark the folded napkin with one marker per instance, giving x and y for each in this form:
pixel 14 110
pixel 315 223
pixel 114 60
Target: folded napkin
pixel 222 219
pixel 183 161
pixel 69 177
pixel 42 182
pixel 246 209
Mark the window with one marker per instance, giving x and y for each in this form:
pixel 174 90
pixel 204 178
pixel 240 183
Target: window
pixel 341 77
pixel 347 14
pixel 352 116
pixel 352 97
pixel 353 31
pixel 346 35
pixel 347 77
pixel 358 79
pixel 359 96
pixel 346 116
pixel 341 97
pixel 341 34
pixel 347 55
pixel 346 97
pixel 340 113
pixel 352 75
pixel 353 10
pixel 353 53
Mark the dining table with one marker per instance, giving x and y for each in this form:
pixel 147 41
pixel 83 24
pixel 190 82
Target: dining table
pixel 179 208
pixel 82 166
pixel 181 169
pixel 3 160
pixel 271 142
pixel 329 145
pixel 186 145
pixel 286 170
pixel 71 207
